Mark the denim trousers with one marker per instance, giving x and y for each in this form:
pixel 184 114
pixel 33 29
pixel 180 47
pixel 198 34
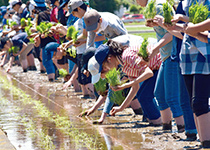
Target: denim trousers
pixel 145 96
pixel 170 91
pixel 47 55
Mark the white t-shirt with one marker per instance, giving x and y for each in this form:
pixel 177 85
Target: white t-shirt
pixel 79 26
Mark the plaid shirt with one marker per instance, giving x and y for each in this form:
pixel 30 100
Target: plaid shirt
pixel 195 55
pixel 131 65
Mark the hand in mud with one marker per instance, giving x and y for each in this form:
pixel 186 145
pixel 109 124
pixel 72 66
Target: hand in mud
pixel 67 84
pixel 2 64
pixel 86 113
pixel 8 69
pixel 115 110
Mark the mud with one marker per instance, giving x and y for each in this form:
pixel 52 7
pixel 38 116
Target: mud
pixel 124 131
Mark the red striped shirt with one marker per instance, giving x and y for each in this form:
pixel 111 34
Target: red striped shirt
pixel 131 61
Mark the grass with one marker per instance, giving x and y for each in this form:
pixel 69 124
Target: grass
pixel 135 23
pixel 138 28
pixel 147 35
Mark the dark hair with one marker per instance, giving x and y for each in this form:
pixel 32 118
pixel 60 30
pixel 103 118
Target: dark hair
pixel 83 6
pixel 3 41
pixel 114 48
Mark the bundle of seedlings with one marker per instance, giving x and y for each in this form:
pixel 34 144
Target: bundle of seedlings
pixel 26 22
pixel 72 34
pixel 63 72
pixel 14 49
pixel 101 87
pixel 167 11
pixel 198 13
pixel 12 24
pixel 150 12
pixel 113 78
pixel 72 51
pixel 143 50
pixel 44 28
pixel 28 31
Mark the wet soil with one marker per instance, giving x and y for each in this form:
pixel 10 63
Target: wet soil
pixel 124 131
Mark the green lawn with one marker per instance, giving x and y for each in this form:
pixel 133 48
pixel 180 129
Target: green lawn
pixel 135 23
pixel 146 35
pixel 138 28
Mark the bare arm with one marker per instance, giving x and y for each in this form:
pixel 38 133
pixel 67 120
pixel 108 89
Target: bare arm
pixel 97 104
pixel 10 63
pixel 165 40
pixel 134 89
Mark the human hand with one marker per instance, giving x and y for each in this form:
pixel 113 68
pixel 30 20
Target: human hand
pixel 158 19
pixel 86 113
pixel 115 110
pixel 16 54
pixel 189 29
pixel 177 18
pixel 67 84
pixel 77 43
pixel 8 69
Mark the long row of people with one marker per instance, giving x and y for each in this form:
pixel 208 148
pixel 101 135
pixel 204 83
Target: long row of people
pixel 172 84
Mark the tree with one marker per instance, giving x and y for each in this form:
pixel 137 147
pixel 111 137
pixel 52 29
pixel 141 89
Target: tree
pixel 105 5
pixel 6 3
pixel 134 9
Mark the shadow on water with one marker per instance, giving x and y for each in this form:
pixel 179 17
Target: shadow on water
pixel 19 119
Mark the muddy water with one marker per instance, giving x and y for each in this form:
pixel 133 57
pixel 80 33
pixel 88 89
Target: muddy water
pixel 56 100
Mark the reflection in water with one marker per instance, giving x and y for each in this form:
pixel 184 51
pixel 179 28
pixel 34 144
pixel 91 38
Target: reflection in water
pixel 112 138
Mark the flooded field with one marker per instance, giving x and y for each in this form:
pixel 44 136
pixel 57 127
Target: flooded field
pixel 37 115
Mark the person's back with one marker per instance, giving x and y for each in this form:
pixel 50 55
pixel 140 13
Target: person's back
pixel 105 23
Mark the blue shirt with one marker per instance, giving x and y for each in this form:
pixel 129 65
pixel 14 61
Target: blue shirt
pixel 165 51
pixel 177 42
pixel 195 55
pixel 19 39
pixel 71 20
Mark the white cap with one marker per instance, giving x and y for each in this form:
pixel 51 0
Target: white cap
pixel 14 2
pixel 93 68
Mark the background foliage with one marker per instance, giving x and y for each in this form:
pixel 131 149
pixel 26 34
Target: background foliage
pixel 6 2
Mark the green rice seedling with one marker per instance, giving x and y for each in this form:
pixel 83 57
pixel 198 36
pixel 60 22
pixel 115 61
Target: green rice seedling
pixel 167 11
pixel 14 49
pixel 101 86
pixel 7 22
pixel 74 36
pixel 62 123
pixel 198 13
pixel 63 72
pixel 23 22
pixel 13 23
pixel 70 31
pixel 72 51
pixel 143 50
pixel 44 28
pixel 117 97
pixel 31 40
pixel 113 77
pixel 28 31
pixel 150 10
pixel 28 22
